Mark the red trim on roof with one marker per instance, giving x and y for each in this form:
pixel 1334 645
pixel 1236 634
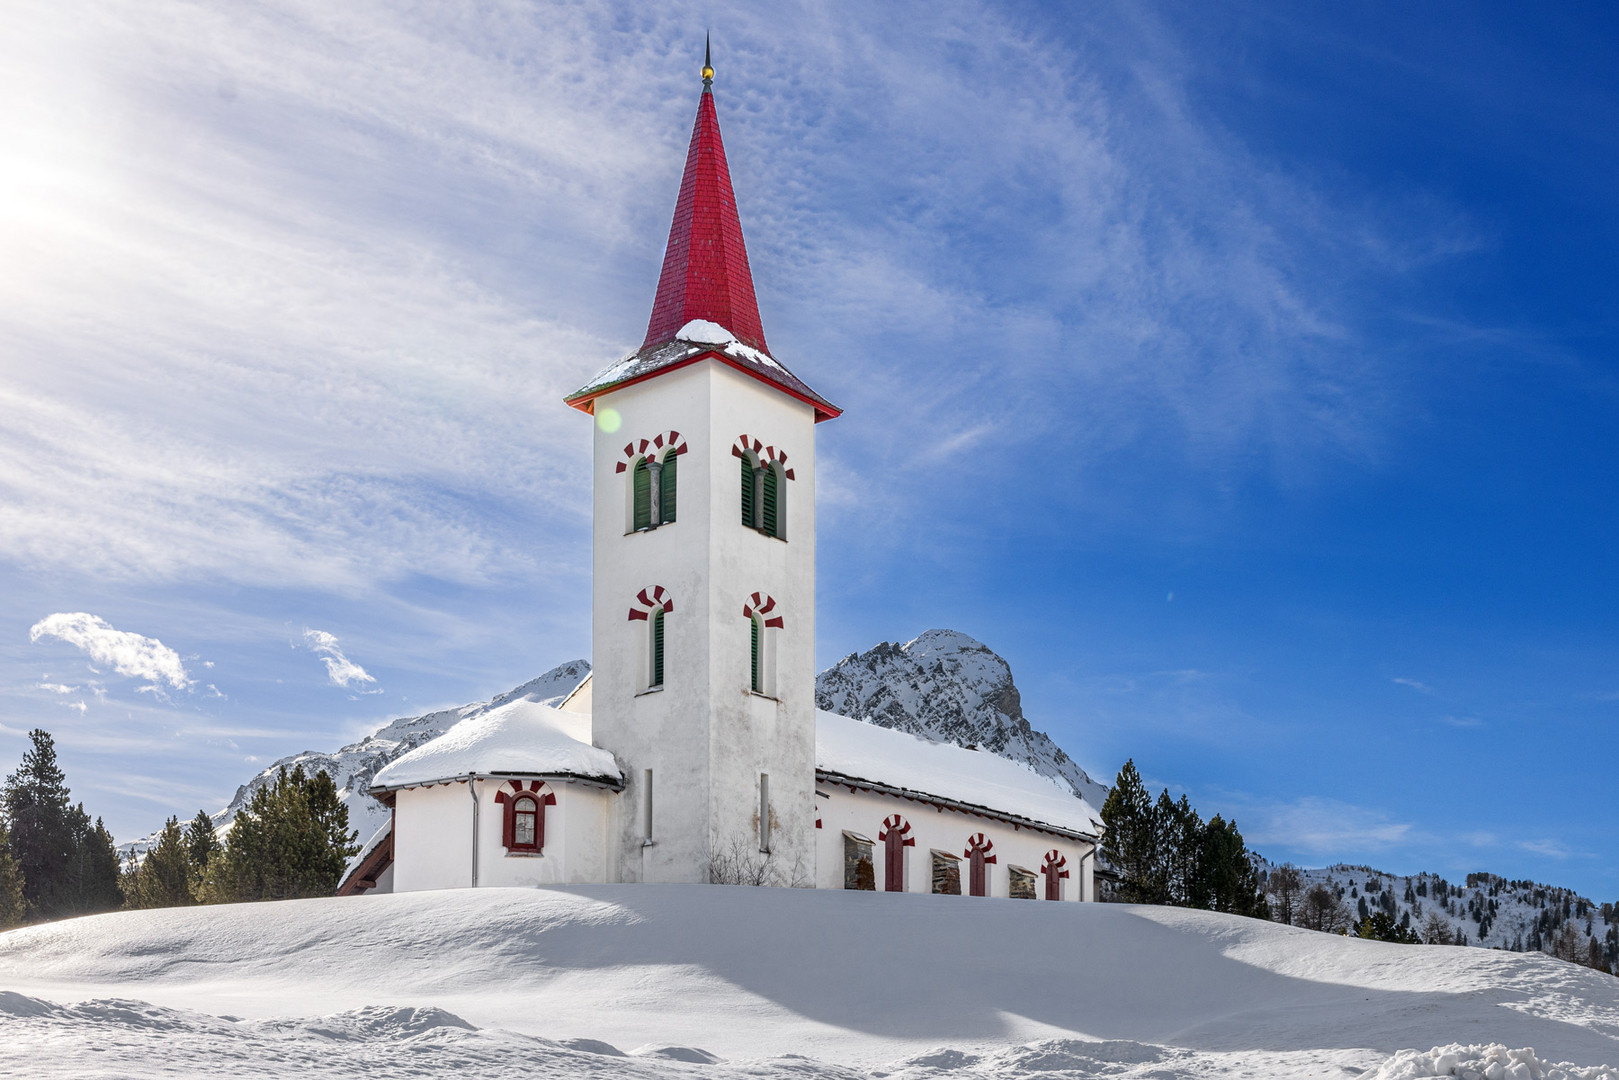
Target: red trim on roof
pixel 586 403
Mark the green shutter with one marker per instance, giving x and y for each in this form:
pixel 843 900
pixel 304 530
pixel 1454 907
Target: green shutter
pixel 769 486
pixel 747 493
pixel 753 625
pixel 657 647
pixel 643 495
pixel 666 497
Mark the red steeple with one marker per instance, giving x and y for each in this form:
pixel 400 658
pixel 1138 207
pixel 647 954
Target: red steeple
pixel 705 268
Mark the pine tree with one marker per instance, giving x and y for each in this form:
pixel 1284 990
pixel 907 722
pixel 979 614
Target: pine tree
pixel 1128 839
pixel 94 872
pixel 163 878
pixel 42 840
pixel 12 907
pixel 291 840
pixel 1230 882
pixel 201 845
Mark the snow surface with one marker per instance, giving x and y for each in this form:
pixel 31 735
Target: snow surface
pixel 520 737
pixel 865 751
pixel 704 332
pixel 710 981
pixel 945 685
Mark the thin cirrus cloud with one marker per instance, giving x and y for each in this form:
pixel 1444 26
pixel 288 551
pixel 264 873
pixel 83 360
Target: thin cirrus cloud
pixel 339 668
pixel 130 654
pixel 304 313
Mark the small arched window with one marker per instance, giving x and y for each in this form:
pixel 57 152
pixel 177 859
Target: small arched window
pixel 657 648
pixel 524 825
pixel 769 499
pixel 1055 870
pixel 666 489
pixel 762 616
pixel 643 495
pixel 895 838
pixel 979 855
pixel 756 666
pixel 749 473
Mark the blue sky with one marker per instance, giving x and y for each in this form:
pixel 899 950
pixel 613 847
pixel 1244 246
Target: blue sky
pixel 1244 376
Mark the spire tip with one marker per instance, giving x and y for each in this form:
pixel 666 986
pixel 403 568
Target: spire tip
pixel 708 67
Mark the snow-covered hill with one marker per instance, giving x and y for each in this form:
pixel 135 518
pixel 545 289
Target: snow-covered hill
pixel 352 767
pixel 728 982
pixel 1482 910
pixel 948 687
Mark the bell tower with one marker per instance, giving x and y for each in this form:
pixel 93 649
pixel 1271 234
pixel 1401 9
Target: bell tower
pixel 703 598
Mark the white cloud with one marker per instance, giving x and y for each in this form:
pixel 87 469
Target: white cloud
pixel 56 688
pixel 343 671
pixel 1419 687
pixel 128 653
pixel 1324 827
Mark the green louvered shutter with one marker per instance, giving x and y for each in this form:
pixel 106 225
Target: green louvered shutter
pixel 666 497
pixel 657 647
pixel 643 494
pixel 769 487
pixel 753 625
pixel 747 494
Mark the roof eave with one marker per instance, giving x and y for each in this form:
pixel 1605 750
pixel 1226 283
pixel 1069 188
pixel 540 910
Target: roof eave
pixel 585 400
pixel 952 804
pixel 378 790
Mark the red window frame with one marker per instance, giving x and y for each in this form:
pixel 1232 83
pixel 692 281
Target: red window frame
pixel 978 856
pixel 895 838
pixel 1055 869
pixel 537 794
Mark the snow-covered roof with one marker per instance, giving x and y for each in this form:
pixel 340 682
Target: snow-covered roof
pixel 522 738
pixel 696 339
pixel 895 759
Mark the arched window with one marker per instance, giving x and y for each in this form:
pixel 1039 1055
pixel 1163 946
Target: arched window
pixel 761 644
pixel 769 500
pixel 643 495
pixel 749 475
pixel 895 838
pixel 1055 870
pixel 657 648
pixel 756 672
pixel 666 489
pixel 523 828
pixel 979 855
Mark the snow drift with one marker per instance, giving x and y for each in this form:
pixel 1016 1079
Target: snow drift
pixel 864 984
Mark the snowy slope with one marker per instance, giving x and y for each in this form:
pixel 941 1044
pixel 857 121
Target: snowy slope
pixel 724 982
pixel 1483 909
pixel 949 687
pixel 352 767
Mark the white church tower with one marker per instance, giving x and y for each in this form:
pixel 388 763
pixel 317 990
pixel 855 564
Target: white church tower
pixel 703 618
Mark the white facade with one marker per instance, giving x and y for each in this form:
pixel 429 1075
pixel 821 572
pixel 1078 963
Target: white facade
pixel 705 736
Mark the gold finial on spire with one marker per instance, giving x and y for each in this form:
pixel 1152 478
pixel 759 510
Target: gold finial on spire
pixel 708 68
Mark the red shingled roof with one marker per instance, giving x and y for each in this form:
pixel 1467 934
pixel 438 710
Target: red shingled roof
pixel 705 267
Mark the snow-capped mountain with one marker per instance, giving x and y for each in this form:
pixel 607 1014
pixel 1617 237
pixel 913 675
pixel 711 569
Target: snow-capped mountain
pixel 1484 910
pixel 352 767
pixel 948 687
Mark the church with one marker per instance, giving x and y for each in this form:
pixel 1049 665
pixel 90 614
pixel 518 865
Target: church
pixel 694 752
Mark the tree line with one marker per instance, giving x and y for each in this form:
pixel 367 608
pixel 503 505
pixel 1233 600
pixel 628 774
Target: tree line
pixel 1162 852
pixel 291 840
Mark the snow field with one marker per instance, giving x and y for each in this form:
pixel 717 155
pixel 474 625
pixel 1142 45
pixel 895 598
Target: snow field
pixel 670 980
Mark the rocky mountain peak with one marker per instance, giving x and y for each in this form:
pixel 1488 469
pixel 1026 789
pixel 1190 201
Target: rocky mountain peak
pixel 947 686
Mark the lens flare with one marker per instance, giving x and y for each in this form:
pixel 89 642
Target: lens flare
pixel 608 420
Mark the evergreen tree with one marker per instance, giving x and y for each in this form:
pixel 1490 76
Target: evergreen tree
pixel 1230 882
pixel 1380 926
pixel 1128 836
pixel 12 907
pixel 291 840
pixel 201 845
pixel 1180 847
pixel 163 878
pixel 42 830
pixel 93 874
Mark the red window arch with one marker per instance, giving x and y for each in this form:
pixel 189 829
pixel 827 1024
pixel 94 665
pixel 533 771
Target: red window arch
pixel 895 838
pixel 979 855
pixel 1055 869
pixel 523 823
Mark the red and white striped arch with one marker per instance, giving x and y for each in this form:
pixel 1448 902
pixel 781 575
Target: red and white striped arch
pixel 1056 863
pixel 745 445
pixel 899 827
pixel 651 599
pixel 635 450
pixel 761 605
pixel 979 844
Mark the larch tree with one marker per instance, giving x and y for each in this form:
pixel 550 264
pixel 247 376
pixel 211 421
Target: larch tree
pixel 1285 887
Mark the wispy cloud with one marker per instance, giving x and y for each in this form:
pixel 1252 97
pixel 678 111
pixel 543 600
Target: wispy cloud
pixel 128 653
pixel 56 688
pixel 1461 721
pixel 342 671
pixel 1419 687
pixel 1551 848
pixel 1324 827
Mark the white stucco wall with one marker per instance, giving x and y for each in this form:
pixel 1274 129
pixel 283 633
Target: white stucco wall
pixel 433 838
pixel 705 737
pixel 863 812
